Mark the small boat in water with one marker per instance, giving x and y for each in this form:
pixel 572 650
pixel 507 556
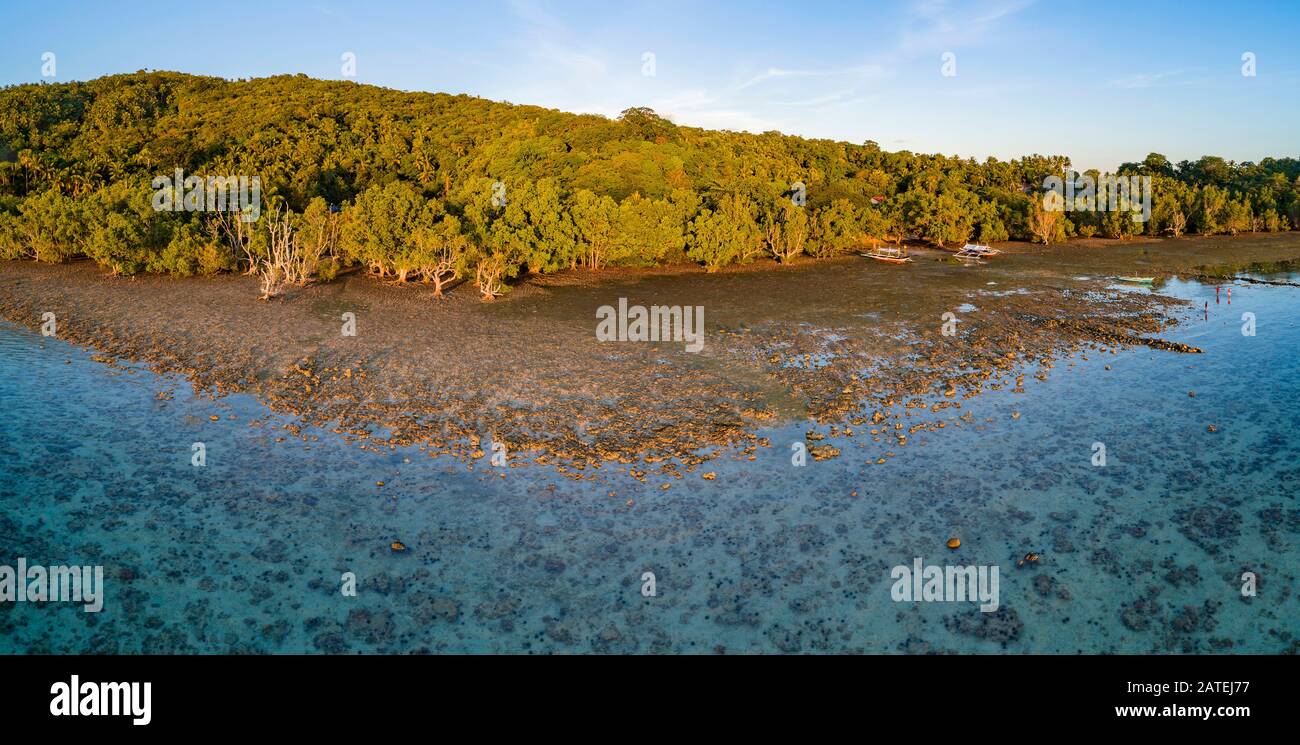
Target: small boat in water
pixel 969 255
pixel 978 250
pixel 891 254
pixel 1137 280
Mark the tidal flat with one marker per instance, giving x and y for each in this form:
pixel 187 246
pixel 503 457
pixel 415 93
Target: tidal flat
pixel 325 450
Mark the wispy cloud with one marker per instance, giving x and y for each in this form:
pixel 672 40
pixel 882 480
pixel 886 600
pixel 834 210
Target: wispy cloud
pixel 1144 80
pixel 986 93
pixel 579 77
pixel 702 108
pixel 549 47
pixel 936 25
pixel 734 119
pixel 776 73
pixel 817 101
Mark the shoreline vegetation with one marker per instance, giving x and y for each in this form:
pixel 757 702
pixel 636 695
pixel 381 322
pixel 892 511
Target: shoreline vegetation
pixel 456 191
pixel 372 202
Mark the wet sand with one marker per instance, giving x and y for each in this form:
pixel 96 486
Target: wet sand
pixel 847 342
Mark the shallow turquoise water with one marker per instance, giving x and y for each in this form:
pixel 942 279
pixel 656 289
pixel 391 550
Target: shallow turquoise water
pixel 246 554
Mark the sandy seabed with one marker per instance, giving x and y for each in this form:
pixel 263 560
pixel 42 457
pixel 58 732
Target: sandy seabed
pixel 655 459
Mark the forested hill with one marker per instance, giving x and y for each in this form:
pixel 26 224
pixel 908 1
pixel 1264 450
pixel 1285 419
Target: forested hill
pixel 405 183
pixel 308 137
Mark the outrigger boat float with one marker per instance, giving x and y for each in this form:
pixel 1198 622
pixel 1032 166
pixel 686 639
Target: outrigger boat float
pixel 973 253
pixel 891 254
pixel 978 250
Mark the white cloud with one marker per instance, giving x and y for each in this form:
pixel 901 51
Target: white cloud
pixel 546 46
pixel 556 68
pixel 937 27
pixel 817 101
pixel 733 119
pixel 776 73
pixel 1142 80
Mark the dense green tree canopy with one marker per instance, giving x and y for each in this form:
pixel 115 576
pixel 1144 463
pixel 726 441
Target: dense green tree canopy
pixel 436 185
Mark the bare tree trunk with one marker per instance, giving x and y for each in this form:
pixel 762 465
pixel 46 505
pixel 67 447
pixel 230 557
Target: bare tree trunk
pixel 1178 223
pixel 488 278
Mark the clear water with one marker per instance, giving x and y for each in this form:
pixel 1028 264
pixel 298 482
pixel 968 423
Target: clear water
pixel 1144 554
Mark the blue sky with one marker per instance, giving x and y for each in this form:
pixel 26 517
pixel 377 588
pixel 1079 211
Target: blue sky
pixel 1100 81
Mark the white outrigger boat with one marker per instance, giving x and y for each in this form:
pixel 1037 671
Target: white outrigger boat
pixel 973 253
pixel 891 254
